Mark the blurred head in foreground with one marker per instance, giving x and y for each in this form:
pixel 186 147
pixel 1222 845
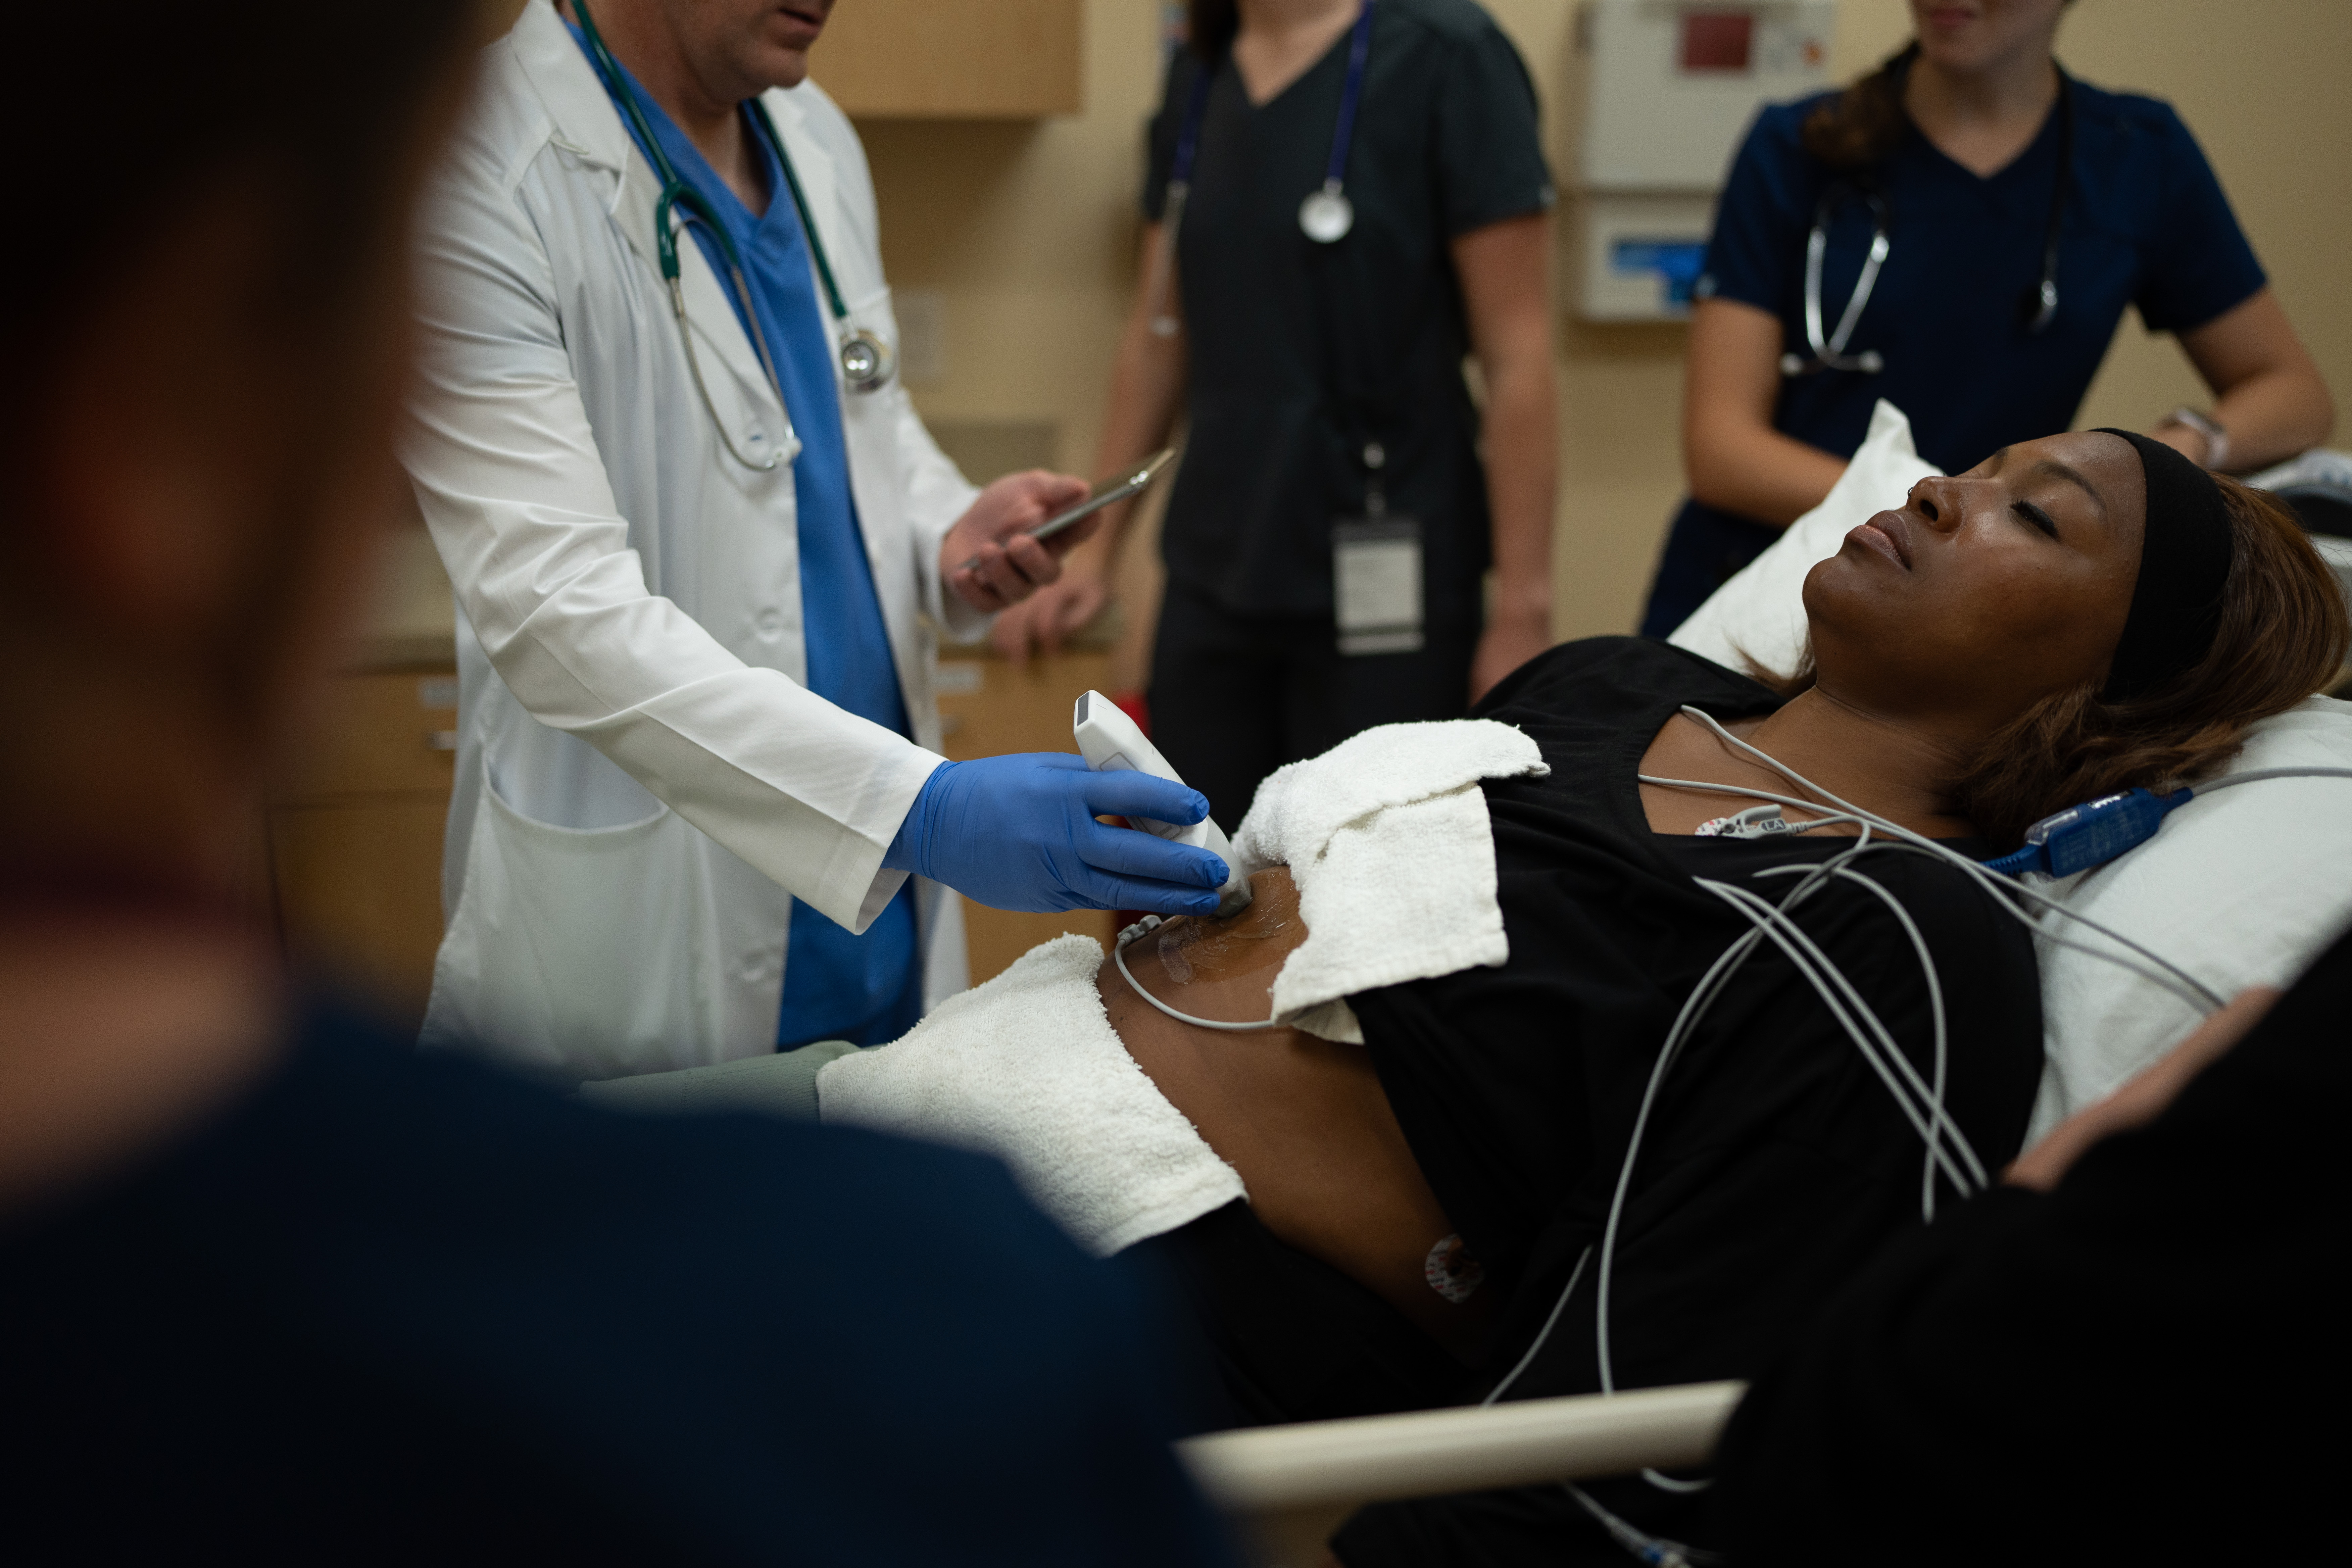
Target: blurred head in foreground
pixel 207 343
pixel 279 1288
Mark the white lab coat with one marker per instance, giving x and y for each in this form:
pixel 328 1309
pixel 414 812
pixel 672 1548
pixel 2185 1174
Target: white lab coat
pixel 642 782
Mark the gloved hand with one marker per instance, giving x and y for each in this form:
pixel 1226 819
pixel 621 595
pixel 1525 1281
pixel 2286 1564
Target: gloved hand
pixel 1019 833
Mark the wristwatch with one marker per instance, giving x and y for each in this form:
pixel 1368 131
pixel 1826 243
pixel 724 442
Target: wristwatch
pixel 2217 440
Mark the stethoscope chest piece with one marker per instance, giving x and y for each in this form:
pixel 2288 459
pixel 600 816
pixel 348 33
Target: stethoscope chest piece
pixel 1327 214
pixel 866 362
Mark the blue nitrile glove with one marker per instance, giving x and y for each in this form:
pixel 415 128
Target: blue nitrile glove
pixel 1019 833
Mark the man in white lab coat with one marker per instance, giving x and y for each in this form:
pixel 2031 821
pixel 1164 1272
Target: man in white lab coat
pixel 701 575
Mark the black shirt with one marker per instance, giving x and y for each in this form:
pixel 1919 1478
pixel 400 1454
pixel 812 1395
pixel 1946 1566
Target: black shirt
pixel 2145 1365
pixel 1299 353
pixel 398 1308
pixel 1776 1162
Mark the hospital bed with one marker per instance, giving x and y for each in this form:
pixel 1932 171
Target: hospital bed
pixel 2244 887
pixel 1288 1488
pixel 2252 891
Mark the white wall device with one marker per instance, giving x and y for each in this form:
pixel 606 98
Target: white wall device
pixel 1668 89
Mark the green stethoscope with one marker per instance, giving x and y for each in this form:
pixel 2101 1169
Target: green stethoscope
pixel 866 360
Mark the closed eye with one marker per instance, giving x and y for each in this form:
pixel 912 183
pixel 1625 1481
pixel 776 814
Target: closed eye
pixel 2036 517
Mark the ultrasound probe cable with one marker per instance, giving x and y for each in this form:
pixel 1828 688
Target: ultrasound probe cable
pixel 1118 956
pixel 1772 922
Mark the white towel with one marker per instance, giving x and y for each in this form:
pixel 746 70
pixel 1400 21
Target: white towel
pixel 1026 1067
pixel 1387 837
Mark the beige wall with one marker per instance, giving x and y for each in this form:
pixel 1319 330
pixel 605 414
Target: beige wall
pixel 1027 233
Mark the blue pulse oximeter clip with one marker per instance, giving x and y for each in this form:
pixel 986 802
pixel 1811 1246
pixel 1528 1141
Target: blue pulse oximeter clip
pixel 2091 834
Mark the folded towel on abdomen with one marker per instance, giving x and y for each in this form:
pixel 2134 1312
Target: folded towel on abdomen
pixel 1386 836
pixel 1026 1067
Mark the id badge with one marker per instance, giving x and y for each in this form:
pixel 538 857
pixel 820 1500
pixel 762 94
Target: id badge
pixel 1376 583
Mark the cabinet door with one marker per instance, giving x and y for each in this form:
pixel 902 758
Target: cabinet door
pixel 951 59
pixel 376 733
pixel 355 835
pixel 359 893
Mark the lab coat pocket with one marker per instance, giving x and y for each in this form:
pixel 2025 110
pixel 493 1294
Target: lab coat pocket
pixel 587 950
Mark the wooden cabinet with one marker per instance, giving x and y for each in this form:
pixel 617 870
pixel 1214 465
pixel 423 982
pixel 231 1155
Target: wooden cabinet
pixel 355 835
pixel 951 59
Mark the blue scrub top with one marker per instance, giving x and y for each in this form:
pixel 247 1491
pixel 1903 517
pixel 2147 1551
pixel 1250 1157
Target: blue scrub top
pixel 868 988
pixel 2146 224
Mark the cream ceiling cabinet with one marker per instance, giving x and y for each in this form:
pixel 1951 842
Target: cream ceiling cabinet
pixel 951 59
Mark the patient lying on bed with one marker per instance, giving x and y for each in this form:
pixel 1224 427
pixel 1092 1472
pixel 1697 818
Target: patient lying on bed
pixel 1427 1211
pixel 1421 1207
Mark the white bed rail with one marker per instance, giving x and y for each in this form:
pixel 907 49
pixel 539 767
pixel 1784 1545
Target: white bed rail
pixel 1291 1486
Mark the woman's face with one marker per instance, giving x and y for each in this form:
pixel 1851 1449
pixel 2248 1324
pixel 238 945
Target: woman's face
pixel 1987 591
pixel 1968 35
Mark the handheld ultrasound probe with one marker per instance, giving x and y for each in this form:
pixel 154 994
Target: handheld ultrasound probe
pixel 1110 741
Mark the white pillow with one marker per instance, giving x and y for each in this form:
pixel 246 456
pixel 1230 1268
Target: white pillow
pixel 2245 888
pixel 1760 613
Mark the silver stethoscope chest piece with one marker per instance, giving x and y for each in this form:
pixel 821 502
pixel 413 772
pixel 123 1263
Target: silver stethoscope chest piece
pixel 866 362
pixel 865 357
pixel 1327 216
pixel 1828 344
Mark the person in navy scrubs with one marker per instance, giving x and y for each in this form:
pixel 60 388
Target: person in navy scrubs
pixel 1960 139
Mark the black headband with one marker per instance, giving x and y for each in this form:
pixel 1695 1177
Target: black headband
pixel 2184 564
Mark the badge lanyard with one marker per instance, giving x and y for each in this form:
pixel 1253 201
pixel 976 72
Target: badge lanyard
pixel 1324 217
pixel 1327 216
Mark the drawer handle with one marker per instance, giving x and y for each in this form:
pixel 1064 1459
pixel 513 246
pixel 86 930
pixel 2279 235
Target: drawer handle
pixel 441 740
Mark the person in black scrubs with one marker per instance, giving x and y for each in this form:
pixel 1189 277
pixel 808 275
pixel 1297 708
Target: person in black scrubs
pixel 1331 430
pixel 1991 173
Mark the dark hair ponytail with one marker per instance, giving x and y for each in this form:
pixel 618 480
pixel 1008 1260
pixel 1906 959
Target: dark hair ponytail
pixel 1860 126
pixel 1210 27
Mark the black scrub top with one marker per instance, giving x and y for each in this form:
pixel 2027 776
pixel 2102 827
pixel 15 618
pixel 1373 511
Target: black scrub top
pixel 1774 1163
pixel 2146 224
pixel 1300 352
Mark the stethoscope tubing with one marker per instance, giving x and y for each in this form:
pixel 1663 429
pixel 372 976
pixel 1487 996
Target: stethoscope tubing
pixel 865 359
pixel 1325 215
pixel 1831 354
pixel 1829 351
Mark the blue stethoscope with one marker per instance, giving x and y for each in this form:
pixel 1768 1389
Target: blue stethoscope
pixel 1325 215
pixel 2038 309
pixel 867 362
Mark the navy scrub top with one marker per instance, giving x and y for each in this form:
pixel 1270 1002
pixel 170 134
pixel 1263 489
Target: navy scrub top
pixel 2145 224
